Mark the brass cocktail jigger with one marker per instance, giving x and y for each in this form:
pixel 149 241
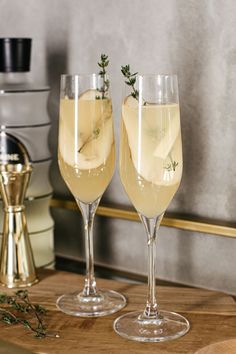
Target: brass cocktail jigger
pixel 17 268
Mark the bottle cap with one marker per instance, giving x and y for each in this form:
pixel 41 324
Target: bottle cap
pixel 15 54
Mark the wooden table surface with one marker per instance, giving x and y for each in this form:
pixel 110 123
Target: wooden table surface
pixel 212 316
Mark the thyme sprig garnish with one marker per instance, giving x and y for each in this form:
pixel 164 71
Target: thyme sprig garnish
pixel 15 309
pixel 106 83
pixel 95 135
pixel 131 80
pixel 172 165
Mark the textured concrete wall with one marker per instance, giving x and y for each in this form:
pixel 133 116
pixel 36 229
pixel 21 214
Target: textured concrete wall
pixel 195 39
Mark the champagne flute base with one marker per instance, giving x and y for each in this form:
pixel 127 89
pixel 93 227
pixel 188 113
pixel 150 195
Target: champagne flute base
pixel 104 303
pixel 167 326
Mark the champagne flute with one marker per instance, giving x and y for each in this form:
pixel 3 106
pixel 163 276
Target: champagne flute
pixel 150 170
pixel 86 157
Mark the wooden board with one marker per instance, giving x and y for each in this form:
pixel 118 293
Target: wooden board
pixel 225 347
pixel 9 348
pixel 212 316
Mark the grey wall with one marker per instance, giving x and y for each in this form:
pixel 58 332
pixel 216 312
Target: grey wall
pixel 195 39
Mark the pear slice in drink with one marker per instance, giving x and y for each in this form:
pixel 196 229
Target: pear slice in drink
pixel 141 127
pixel 169 133
pixel 94 138
pixel 152 131
pixel 90 111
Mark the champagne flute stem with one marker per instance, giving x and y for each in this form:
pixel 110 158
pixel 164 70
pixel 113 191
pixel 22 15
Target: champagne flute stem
pixel 88 211
pixel 151 225
pixel 151 305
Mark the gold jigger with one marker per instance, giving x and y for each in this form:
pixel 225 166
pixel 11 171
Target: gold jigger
pixel 17 268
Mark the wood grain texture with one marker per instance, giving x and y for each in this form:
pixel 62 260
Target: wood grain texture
pixel 212 316
pixel 225 347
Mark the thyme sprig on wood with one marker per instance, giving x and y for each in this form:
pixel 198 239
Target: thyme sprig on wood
pixel 103 64
pixel 131 80
pixel 15 309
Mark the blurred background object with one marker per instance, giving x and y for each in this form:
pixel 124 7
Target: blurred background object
pixel 24 115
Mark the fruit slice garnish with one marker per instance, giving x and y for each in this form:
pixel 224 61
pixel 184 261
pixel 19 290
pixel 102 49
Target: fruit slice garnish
pixel 96 151
pixel 131 101
pixel 149 148
pixel 91 94
pixel 92 146
pixel 169 136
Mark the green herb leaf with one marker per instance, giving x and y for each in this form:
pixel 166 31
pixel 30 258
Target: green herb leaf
pixel 12 308
pixel 96 133
pixel 171 166
pixel 131 80
pixel 105 86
